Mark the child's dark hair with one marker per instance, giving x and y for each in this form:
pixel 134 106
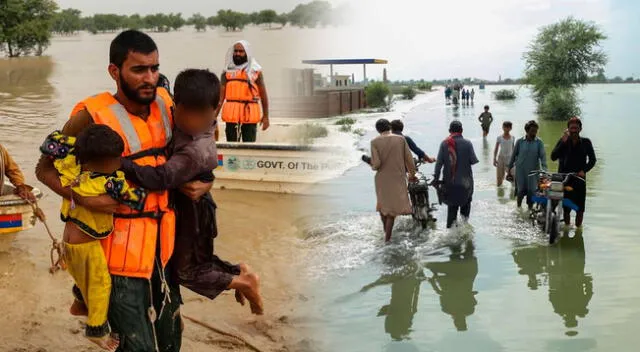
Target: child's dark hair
pixel 197 89
pixel 486 107
pixel 529 125
pixel 383 125
pixel 507 124
pixel 98 142
pixel 397 126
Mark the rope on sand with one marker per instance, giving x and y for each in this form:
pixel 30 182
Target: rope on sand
pixel 222 332
pixel 56 247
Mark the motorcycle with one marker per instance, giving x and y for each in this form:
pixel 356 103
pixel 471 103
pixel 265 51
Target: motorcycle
pixel 419 195
pixel 549 200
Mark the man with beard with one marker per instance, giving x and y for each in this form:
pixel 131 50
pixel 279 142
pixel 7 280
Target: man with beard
pixel 576 154
pixel 243 97
pixel 145 301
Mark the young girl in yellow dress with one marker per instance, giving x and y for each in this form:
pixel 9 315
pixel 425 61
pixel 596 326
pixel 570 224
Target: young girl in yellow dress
pixel 90 164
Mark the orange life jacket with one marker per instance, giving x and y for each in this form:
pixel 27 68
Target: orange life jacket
pixel 131 248
pixel 242 98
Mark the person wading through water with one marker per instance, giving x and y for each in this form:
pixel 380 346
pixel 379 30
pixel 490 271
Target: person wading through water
pixel 576 154
pixel 392 160
pixel 455 158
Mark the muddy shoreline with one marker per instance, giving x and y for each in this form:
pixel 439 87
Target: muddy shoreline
pixel 255 228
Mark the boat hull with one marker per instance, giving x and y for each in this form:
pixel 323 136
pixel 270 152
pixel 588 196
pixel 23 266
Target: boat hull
pixel 15 213
pixel 281 168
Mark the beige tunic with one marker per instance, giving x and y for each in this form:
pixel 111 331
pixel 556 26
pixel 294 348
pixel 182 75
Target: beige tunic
pixel 391 158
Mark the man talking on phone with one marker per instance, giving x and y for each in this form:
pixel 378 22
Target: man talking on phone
pixel 576 155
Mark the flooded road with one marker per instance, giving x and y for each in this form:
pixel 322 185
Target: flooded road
pixel 493 284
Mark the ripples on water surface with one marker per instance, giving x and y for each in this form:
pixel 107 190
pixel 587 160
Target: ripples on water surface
pixel 493 284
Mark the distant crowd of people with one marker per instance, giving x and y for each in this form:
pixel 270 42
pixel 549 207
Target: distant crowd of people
pixel 456 94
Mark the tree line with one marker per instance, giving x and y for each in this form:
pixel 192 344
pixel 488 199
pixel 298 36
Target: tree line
pixel 597 78
pixel 319 12
pixel 26 26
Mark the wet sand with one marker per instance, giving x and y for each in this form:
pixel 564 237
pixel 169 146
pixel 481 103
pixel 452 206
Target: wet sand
pixel 36 95
pixel 256 228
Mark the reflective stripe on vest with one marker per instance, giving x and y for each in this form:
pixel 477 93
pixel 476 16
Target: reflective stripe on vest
pixel 125 122
pixel 131 249
pixel 242 98
pixel 165 118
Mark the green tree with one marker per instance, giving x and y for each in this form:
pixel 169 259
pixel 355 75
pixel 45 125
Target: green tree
pixel 213 21
pixel 560 101
pixel 426 86
pixel 175 21
pixel 67 21
pixel 254 18
pixel 135 22
pixel 311 14
pixel 232 20
pixel 161 22
pixel 267 17
pixel 598 78
pixel 198 21
pixel 377 94
pixel 283 19
pixel 25 26
pixel 108 22
pixel 563 55
pixel 505 94
pixel 408 93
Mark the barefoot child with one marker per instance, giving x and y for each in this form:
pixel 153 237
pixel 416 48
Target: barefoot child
pixel 88 165
pixel 485 120
pixel 193 156
pixel 505 144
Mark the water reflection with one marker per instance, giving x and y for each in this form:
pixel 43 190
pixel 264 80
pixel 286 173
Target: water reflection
pixel 486 155
pixel 561 268
pixel 405 290
pixel 453 281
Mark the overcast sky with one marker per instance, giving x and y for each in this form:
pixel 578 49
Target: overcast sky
pixel 434 38
pixel 472 38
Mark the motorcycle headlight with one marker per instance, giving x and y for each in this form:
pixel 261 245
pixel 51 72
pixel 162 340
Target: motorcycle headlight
pixel 557 186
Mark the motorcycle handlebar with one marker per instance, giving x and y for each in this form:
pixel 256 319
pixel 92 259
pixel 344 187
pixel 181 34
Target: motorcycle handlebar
pixel 565 175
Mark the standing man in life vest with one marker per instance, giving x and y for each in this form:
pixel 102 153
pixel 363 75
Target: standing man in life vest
pixel 145 301
pixel 243 96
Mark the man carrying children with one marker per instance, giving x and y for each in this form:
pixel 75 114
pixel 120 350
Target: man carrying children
pixel 145 300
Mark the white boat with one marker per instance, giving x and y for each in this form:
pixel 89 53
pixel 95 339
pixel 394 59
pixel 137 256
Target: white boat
pixel 16 214
pixel 276 167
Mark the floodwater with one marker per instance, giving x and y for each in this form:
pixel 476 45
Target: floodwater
pixel 36 96
pixel 493 284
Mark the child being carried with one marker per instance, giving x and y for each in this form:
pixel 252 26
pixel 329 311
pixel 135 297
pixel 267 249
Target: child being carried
pixel 89 165
pixel 193 156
